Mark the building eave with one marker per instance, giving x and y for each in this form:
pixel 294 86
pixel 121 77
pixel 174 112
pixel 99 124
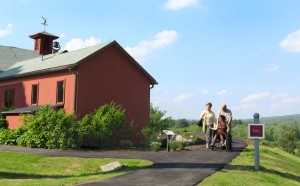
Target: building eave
pixel 43 71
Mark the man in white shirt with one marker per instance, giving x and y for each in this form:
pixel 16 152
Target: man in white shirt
pixel 228 114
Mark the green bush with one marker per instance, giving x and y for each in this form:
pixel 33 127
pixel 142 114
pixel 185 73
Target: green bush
pixel 155 146
pixel 265 142
pixel 174 145
pixel 198 141
pixel 103 128
pixel 3 122
pixel 48 128
pixel 126 144
pixel 9 137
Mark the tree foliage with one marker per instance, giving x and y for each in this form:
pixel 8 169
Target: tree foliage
pixel 182 123
pixel 285 136
pixel 102 128
pixel 156 124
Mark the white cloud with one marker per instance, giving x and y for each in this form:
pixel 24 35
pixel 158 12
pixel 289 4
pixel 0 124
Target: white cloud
pixel 62 35
pixel 205 91
pixel 292 42
pixel 255 97
pixel 179 4
pixel 286 102
pixel 6 31
pixel 223 92
pixel 183 97
pixel 145 48
pixel 280 95
pixel 291 100
pixel 76 44
pixel 273 68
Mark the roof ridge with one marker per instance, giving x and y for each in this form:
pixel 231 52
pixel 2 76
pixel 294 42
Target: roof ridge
pixel 51 61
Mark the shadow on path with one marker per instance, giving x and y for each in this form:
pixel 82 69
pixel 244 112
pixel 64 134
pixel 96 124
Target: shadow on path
pixel 186 165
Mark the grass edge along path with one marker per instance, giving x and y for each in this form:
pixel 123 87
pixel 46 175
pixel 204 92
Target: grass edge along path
pixel 277 167
pixel 28 169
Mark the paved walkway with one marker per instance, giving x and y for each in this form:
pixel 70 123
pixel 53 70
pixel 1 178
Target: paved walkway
pixel 169 168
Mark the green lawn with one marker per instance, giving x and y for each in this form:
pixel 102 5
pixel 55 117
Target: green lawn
pixel 276 168
pixel 25 169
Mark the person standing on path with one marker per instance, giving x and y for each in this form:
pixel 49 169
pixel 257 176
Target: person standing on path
pixel 228 114
pixel 208 117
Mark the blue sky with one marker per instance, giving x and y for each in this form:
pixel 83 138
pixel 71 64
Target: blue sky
pixel 242 53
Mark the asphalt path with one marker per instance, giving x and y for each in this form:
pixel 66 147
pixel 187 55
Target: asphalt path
pixel 169 168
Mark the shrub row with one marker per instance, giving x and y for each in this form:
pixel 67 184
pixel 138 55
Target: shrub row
pixel 49 128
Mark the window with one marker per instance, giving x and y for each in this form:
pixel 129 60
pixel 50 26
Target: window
pixel 34 94
pixel 9 98
pixel 60 92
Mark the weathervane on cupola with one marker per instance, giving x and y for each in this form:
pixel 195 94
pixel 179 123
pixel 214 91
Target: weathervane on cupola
pixel 43 41
pixel 45 23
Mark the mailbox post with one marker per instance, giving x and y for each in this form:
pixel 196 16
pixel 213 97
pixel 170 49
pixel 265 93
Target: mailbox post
pixel 169 134
pixel 256 131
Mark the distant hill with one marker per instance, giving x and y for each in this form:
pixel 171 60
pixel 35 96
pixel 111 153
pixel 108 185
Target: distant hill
pixel 287 119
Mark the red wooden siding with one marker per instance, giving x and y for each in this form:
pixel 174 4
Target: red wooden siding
pixel 13 121
pixel 112 76
pixel 47 87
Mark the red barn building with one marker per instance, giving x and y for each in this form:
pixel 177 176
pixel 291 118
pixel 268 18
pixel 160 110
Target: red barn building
pixel 79 81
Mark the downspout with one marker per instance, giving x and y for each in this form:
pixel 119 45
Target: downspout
pixel 75 92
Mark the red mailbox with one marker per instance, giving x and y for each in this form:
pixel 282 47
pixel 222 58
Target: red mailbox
pixel 256 131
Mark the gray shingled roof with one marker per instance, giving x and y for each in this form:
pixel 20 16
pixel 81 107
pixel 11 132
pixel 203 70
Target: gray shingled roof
pixel 11 55
pixel 30 109
pixel 50 62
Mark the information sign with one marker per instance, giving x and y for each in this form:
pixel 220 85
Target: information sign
pixel 256 131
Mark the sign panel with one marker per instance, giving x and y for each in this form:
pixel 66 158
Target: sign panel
pixel 256 131
pixel 169 132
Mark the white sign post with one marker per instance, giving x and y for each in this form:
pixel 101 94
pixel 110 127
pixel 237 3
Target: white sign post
pixel 256 131
pixel 169 133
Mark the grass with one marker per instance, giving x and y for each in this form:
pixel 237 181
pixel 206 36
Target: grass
pixel 276 168
pixel 25 169
pixel 191 130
